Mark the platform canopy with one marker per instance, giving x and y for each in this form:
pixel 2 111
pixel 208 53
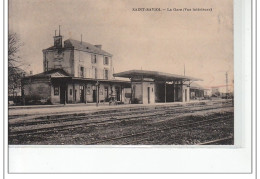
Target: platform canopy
pixel 197 86
pixel 156 75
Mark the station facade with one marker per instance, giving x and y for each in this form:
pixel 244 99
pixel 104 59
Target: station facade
pixel 76 72
pixel 79 72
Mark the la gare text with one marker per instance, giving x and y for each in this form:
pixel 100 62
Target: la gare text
pixel 172 9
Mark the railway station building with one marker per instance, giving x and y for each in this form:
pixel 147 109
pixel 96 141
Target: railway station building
pixel 148 87
pixel 79 72
pixel 74 72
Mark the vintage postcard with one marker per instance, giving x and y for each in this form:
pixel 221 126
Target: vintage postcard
pixel 121 73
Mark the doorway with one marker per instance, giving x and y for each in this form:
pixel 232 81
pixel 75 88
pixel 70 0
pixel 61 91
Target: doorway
pixel 62 94
pixel 117 94
pixel 94 96
pixel 186 97
pixel 106 94
pixel 81 93
pixel 148 94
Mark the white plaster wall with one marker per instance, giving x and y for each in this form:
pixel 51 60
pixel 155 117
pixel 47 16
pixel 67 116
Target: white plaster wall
pixel 183 93
pixel 145 92
pixel 137 91
pixel 84 59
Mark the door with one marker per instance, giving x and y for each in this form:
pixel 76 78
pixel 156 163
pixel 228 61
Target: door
pixel 81 94
pixel 106 94
pixel 62 94
pixel 148 94
pixel 186 97
pixel 117 94
pixel 94 96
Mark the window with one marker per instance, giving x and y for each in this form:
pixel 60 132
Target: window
pixel 56 90
pixel 70 91
pixel 105 74
pixel 94 72
pixel 81 72
pixel 93 58
pixel 106 61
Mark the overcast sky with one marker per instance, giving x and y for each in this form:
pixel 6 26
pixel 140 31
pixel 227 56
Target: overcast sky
pixel 161 41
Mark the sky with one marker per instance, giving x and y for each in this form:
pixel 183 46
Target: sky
pixel 163 41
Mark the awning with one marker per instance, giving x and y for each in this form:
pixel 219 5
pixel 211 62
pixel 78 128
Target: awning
pixel 156 75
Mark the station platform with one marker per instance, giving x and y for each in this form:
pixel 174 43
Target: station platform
pixel 82 107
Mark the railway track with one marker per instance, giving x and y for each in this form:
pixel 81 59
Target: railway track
pixel 86 122
pixel 84 116
pixel 183 127
pixel 135 125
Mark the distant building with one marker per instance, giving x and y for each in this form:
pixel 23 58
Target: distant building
pixel 222 91
pixel 76 72
pixel 196 91
pixel 215 91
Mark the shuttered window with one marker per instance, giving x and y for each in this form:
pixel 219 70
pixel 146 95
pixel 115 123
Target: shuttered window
pixel 106 61
pixel 93 58
pixel 105 74
pixel 81 73
pixel 94 70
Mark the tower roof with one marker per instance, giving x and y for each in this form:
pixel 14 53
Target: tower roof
pixel 85 46
pixel 82 46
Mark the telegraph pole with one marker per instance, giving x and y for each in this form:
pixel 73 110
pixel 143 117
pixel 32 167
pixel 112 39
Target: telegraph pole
pixel 226 85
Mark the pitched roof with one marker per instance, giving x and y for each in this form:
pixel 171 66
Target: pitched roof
pixel 85 46
pixel 154 75
pixel 55 73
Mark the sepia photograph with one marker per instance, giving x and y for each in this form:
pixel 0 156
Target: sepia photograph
pixel 120 72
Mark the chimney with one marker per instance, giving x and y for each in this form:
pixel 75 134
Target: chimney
pixel 58 40
pixel 98 46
